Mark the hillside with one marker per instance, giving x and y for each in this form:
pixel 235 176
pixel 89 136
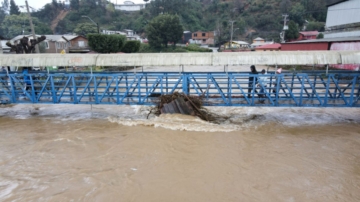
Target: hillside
pixel 252 17
pixel 58 18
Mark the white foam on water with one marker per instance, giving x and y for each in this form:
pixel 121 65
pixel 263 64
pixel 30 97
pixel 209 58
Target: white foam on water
pixel 6 188
pixel 229 118
pixel 177 122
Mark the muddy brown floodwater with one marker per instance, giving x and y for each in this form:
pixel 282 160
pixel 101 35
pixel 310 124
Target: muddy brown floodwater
pixel 113 153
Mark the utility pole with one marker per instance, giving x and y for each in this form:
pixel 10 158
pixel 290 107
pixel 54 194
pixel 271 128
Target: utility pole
pixel 1 49
pixel 282 34
pixel 32 27
pixel 231 34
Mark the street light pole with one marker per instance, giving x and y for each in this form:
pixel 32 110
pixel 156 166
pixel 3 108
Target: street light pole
pixel 1 49
pixel 32 27
pixel 231 34
pixel 97 24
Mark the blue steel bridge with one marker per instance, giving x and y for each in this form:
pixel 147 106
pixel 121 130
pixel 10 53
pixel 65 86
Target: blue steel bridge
pixel 289 89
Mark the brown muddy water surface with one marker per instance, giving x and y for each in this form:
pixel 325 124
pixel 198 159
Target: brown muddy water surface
pixel 113 153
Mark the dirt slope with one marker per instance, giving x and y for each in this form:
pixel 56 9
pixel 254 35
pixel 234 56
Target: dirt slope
pixel 55 22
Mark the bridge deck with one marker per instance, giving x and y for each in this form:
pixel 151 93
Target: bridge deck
pixel 308 89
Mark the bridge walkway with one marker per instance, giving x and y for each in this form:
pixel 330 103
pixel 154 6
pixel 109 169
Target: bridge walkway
pixel 305 89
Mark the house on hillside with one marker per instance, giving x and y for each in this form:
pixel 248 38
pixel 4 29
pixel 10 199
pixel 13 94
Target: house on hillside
pixel 78 44
pixel 269 47
pixel 307 35
pixel 5 48
pixel 58 43
pixel 260 42
pixel 341 33
pixel 129 6
pixel 237 45
pixel 200 37
pixel 104 31
pixel 130 34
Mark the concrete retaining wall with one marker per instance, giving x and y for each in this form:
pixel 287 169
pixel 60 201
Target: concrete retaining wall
pixel 186 59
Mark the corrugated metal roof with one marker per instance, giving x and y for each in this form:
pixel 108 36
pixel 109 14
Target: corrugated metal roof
pixel 241 42
pixel 48 37
pixel 174 59
pixel 327 40
pixel 258 39
pixel 310 33
pixel 270 46
pixel 343 13
pixel 70 37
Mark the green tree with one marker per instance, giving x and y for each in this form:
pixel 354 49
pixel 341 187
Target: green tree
pixel 2 17
pixel 320 36
pixel 14 9
pixel 103 43
pixel 15 25
pixel 285 6
pixel 312 26
pixel 75 4
pixel 174 7
pixel 55 3
pixel 47 13
pixel 222 33
pixel 5 6
pixel 164 29
pixel 85 28
pixel 131 47
pixel 292 32
pixel 297 13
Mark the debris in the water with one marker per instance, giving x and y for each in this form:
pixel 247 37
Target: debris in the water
pixel 179 103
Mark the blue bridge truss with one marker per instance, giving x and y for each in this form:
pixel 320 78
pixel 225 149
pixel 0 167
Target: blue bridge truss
pixel 306 89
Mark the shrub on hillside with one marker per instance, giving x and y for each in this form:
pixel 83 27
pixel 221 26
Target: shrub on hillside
pixel 196 48
pixel 103 43
pixel 131 47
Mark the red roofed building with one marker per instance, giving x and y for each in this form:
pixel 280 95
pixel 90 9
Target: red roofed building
pixel 307 35
pixel 269 47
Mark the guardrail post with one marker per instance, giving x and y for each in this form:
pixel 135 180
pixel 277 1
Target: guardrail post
pixel 185 84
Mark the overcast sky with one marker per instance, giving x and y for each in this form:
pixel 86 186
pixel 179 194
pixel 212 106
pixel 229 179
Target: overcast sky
pixel 40 3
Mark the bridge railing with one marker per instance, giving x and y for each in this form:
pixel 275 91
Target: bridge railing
pixel 312 89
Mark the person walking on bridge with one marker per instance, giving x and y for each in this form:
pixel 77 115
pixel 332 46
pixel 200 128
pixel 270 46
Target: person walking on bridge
pixel 251 80
pixel 262 84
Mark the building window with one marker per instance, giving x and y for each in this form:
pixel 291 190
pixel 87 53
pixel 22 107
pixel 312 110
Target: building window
pixel 47 45
pixel 195 35
pixel 81 43
pixel 204 40
pixel 203 34
pixel 57 45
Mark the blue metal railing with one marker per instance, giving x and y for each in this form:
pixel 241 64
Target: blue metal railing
pixel 306 89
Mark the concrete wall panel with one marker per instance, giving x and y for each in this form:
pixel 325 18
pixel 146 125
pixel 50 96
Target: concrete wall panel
pixel 155 59
pixel 187 59
pixel 47 59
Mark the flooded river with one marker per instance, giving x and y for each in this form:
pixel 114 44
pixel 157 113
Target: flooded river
pixel 114 153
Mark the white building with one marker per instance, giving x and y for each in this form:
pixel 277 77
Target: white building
pixel 108 32
pixel 343 19
pixel 130 34
pixel 129 6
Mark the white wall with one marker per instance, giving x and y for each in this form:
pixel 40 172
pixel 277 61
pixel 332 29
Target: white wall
pixel 343 13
